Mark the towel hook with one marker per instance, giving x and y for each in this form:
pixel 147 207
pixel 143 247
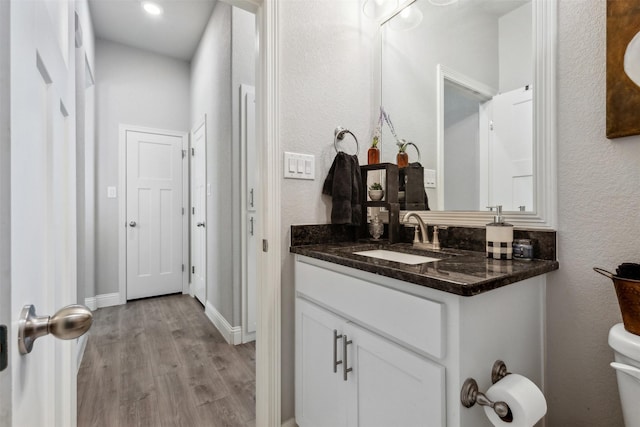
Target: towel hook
pixel 339 136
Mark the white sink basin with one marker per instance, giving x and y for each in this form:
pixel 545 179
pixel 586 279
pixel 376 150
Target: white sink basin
pixel 397 256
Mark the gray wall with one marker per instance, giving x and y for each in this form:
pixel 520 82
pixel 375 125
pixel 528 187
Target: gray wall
pixel 85 157
pixel 211 95
pixel 226 58
pixel 409 69
pixel 514 48
pixel 5 208
pixel 326 80
pixel 133 87
pixel 599 225
pixel 243 71
pixel 461 149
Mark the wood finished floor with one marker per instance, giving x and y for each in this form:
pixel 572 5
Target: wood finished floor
pixel 160 362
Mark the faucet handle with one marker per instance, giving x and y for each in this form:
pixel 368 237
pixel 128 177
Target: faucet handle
pixel 436 241
pixel 416 234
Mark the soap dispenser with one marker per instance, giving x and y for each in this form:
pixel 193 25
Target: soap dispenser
pixel 499 237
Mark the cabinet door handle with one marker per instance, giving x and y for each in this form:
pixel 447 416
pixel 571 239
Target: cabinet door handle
pixel 336 362
pixel 251 199
pixel 345 343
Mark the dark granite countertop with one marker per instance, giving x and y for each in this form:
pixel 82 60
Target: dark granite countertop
pixel 459 272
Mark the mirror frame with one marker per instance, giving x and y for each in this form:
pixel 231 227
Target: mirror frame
pixel 544 129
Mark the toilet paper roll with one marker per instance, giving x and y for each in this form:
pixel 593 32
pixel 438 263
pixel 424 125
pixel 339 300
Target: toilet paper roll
pixel 526 401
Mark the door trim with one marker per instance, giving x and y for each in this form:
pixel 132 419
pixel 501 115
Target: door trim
pixel 122 195
pixel 268 285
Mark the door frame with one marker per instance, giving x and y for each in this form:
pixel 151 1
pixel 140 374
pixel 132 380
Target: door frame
pixel 245 90
pixel 122 216
pixel 268 284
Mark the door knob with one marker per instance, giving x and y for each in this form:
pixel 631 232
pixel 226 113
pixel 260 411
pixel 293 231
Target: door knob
pixel 68 323
pixel 200 224
pixel 132 224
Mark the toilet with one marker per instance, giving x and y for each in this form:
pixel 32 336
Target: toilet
pixel 627 365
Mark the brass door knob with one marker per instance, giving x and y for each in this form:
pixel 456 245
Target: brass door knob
pixel 68 323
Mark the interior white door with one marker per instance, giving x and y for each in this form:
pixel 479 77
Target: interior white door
pixel 511 150
pixel 248 143
pixel 199 211
pixel 43 210
pixel 154 214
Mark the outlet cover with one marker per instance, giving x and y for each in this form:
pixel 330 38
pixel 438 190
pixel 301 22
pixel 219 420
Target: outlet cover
pixel 430 178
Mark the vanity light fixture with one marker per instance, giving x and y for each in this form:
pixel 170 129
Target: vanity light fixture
pixel 152 8
pixel 377 9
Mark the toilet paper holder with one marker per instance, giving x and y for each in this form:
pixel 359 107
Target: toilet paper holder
pixel 470 393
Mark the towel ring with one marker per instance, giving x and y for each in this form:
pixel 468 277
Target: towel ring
pixel 339 136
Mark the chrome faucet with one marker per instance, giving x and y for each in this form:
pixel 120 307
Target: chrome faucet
pixel 423 240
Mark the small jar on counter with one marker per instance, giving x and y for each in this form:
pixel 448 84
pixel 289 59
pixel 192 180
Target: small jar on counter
pixel 523 249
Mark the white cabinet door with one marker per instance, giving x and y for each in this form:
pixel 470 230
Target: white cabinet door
pixel 320 393
pixel 391 386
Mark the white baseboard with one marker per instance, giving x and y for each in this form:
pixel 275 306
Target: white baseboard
pixel 82 344
pixel 248 337
pixel 291 422
pixel 104 300
pixel 232 334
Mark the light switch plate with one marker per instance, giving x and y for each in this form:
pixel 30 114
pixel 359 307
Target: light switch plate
pixel 299 166
pixel 111 193
pixel 430 178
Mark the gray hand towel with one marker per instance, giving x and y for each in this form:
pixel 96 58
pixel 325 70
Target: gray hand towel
pixel 343 184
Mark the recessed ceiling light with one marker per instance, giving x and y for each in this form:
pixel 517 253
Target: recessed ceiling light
pixel 152 8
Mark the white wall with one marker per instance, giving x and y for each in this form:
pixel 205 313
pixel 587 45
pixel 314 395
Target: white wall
pixel 599 225
pixel 515 47
pixel 5 206
pixel 138 88
pixel 326 79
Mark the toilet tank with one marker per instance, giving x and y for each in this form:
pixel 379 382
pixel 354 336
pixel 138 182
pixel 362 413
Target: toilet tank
pixel 626 347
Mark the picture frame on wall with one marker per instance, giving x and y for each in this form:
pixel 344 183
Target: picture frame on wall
pixel 623 68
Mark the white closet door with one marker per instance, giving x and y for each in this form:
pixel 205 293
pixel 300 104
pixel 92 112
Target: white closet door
pixel 199 212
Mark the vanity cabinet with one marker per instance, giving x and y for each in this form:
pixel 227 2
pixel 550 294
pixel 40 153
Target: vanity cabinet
pixel 348 376
pixel 407 349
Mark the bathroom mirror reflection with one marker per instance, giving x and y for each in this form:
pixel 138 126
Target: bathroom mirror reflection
pixel 458 81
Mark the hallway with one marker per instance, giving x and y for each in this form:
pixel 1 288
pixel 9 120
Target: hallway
pixel 160 362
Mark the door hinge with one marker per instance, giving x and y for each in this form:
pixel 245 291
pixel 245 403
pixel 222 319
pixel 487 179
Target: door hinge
pixel 184 153
pixel 4 349
pixel 193 152
pixel 265 245
pixel 193 211
pixel 182 211
pixel 193 270
pixel 183 268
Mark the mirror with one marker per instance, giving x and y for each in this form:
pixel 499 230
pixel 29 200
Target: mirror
pixel 471 83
